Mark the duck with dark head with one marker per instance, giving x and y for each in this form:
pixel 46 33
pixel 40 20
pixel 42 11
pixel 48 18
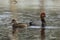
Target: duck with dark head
pixel 42 16
pixel 16 25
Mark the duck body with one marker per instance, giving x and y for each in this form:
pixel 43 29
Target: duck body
pixel 16 25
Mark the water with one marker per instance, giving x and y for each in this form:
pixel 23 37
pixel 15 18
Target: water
pixel 32 33
pixel 25 14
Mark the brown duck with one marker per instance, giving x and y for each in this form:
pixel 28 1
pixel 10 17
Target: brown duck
pixel 16 25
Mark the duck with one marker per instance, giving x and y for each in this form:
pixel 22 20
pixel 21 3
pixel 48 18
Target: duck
pixel 16 25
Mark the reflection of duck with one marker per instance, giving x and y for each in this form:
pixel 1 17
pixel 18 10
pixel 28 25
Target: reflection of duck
pixel 17 25
pixel 15 1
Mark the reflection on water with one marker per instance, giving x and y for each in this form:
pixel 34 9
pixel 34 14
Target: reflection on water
pixel 32 33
